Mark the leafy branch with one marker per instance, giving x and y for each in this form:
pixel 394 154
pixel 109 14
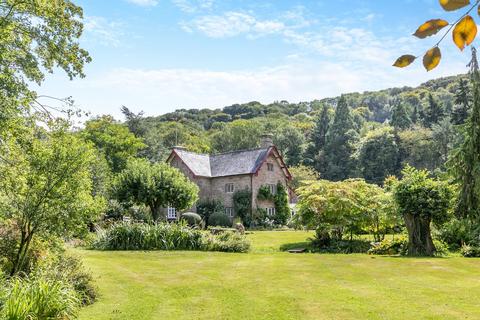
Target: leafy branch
pixel 463 34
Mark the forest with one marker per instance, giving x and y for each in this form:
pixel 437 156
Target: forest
pixel 367 135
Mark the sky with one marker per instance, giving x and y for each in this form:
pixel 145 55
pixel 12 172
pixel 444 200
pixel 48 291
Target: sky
pixel 160 55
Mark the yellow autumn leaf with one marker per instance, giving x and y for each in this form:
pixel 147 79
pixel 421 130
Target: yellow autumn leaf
pixel 432 58
pixel 450 5
pixel 404 61
pixel 464 32
pixel 430 28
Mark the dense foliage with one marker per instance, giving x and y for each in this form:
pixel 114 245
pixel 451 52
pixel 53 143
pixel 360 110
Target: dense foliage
pixel 421 200
pixel 163 236
pixel 156 186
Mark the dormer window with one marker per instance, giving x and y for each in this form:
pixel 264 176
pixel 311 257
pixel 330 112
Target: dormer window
pixel 270 166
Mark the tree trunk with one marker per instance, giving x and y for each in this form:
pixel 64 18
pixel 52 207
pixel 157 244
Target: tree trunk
pixel 156 212
pixel 420 241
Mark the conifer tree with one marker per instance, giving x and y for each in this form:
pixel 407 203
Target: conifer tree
pixel 433 113
pixel 465 161
pixel 400 118
pixel 314 155
pixel 462 103
pixel 340 144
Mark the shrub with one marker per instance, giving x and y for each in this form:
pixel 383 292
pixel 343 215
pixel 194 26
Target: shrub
pixel 37 298
pixel 343 246
pixel 226 242
pixel 390 246
pixel 219 219
pixel 192 219
pixel 470 251
pixel 282 209
pixel 242 205
pixel 458 232
pixel 69 269
pixel 264 193
pixel 141 236
pixel 206 208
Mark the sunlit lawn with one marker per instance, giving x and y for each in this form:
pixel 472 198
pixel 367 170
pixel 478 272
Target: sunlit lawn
pixel 269 284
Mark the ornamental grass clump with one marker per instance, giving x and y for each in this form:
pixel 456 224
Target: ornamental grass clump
pixel 142 236
pixel 164 236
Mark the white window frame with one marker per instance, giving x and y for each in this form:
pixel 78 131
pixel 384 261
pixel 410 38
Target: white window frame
pixel 271 212
pixel 273 188
pixel 171 213
pixel 229 212
pixel 229 188
pixel 270 166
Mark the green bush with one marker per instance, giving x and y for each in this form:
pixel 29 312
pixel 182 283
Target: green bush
pixel 226 242
pixel 140 236
pixel 456 232
pixel 242 205
pixel 37 298
pixel 343 246
pixel 219 219
pixel 391 247
pixel 206 208
pixel 470 251
pixel 192 219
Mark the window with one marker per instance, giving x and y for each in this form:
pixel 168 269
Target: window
pixel 229 188
pixel 270 166
pixel 270 211
pixel 229 212
pixel 273 188
pixel 171 213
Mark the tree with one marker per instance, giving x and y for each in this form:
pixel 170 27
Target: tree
pixel 237 135
pixel 400 118
pixel 418 149
pixel 421 201
pixel 134 122
pixel 433 112
pixel 290 142
pixel 462 103
pixel 301 174
pixel 36 37
pixel 378 155
pixel 350 206
pixel 114 139
pixel 339 145
pixel 156 186
pixel 46 185
pixel 314 155
pixel 282 209
pixel 443 134
pixel 465 161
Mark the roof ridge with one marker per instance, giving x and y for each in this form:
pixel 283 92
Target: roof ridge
pixel 237 151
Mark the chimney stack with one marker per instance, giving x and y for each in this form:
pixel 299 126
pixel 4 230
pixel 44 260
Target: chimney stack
pixel 267 140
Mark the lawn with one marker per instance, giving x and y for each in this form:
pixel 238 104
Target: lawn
pixel 269 284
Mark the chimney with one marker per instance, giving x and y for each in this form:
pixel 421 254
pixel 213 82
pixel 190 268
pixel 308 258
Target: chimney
pixel 266 141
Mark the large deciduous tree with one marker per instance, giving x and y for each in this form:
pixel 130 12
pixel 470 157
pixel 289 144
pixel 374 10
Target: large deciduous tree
pixel 36 36
pixel 45 185
pixel 378 155
pixel 114 140
pixel 421 200
pixel 156 186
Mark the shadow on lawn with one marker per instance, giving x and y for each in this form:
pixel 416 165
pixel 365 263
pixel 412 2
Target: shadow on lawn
pixel 296 245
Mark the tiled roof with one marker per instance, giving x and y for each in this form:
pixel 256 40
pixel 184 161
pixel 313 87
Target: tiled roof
pixel 224 164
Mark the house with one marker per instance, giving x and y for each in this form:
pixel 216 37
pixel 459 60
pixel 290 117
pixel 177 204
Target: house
pixel 219 176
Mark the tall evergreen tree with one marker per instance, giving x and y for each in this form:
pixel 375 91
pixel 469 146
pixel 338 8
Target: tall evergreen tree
pixel 433 113
pixel 465 162
pixel 415 114
pixel 400 118
pixel 462 103
pixel 340 144
pixel 314 155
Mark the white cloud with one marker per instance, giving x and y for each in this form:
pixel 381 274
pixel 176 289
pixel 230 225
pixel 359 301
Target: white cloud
pixel 102 30
pixel 231 24
pixel 191 6
pixel 144 3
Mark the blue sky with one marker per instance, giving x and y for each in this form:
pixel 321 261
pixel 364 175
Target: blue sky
pixel 160 55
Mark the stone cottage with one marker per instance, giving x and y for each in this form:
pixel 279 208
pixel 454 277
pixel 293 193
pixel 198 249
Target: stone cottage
pixel 218 176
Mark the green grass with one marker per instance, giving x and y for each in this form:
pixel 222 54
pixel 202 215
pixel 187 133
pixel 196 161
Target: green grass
pixel 269 284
